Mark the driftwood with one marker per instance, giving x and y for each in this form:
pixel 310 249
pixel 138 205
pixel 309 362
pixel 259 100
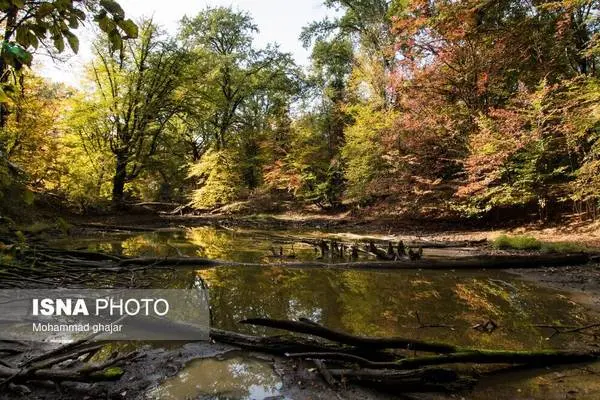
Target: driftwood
pixel 87 373
pixel 428 244
pixel 122 228
pixel 288 344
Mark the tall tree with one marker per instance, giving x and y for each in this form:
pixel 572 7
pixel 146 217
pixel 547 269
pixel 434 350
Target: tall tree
pixel 236 96
pixel 230 72
pixel 368 24
pixel 135 99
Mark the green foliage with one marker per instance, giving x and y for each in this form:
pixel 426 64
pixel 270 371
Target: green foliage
pixel 237 98
pixel 364 153
pixel 220 179
pixel 113 373
pixel 135 100
pixel 307 169
pixel 83 171
pixel 29 24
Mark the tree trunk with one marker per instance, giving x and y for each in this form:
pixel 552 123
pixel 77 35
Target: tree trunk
pixel 119 181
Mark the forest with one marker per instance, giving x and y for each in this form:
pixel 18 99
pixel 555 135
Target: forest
pixel 408 107
pixel 413 213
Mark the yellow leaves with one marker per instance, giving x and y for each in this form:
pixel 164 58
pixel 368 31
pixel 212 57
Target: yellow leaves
pixel 220 178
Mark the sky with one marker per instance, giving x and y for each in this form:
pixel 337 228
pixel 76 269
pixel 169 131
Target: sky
pixel 279 21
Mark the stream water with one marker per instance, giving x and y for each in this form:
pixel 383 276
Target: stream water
pixel 377 303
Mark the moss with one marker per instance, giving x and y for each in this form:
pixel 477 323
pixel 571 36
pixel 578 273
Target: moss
pixel 38 227
pixel 563 247
pixel 114 372
pixel 64 226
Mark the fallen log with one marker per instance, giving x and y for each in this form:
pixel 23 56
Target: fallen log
pixel 287 344
pixel 450 354
pixel 121 228
pixel 371 343
pixel 469 262
pixel 531 358
pixel 428 244
pixel 90 373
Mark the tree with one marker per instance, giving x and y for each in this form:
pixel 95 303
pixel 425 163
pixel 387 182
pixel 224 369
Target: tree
pixel 29 24
pixel 468 84
pixel 367 24
pixel 236 96
pixel 135 98
pixel 367 167
pixel 33 129
pixel 231 70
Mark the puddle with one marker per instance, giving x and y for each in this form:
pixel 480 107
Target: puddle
pixel 234 378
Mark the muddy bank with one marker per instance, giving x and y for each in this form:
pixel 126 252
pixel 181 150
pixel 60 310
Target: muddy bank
pixel 200 371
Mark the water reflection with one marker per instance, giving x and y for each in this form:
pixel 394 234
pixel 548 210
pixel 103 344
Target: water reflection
pixel 235 378
pixel 386 303
pixel 360 302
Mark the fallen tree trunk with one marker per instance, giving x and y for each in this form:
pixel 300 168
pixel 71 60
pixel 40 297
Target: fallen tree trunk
pixel 532 358
pixel 282 345
pixel 370 343
pixel 121 228
pixel 474 262
pixel 429 244
pixel 96 373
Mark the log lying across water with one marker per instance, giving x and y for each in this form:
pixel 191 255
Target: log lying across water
pixel 370 343
pixel 467 262
pixel 419 373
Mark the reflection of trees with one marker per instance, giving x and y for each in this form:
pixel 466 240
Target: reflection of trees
pixel 227 245
pixel 384 304
pixel 360 302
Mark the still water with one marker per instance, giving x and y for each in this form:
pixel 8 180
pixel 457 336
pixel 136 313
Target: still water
pixel 376 303
pixel 237 377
